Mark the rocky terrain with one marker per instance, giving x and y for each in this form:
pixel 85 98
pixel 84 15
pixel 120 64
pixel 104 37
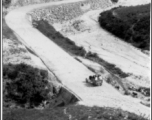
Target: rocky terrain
pixel 78 22
pixel 69 11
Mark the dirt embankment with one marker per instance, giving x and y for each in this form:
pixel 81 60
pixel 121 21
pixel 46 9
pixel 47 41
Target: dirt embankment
pixel 66 12
pixel 14 52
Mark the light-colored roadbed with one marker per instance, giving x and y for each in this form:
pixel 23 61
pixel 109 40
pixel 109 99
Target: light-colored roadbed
pixel 71 72
pixel 110 48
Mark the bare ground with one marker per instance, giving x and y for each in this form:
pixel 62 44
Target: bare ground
pixel 71 72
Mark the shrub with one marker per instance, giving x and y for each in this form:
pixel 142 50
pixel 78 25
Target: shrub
pixel 91 55
pixel 25 84
pixel 131 24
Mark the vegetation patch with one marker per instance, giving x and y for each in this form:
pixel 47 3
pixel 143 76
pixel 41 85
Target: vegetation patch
pixel 132 24
pixel 24 85
pixel 71 112
pixel 28 87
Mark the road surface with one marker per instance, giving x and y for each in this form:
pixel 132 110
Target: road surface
pixel 71 72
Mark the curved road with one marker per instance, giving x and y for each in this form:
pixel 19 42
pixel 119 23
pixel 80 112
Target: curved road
pixel 71 72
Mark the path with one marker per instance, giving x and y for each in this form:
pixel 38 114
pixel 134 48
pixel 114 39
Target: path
pixel 71 72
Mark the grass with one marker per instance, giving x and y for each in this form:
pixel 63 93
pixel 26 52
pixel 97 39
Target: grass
pixel 33 114
pixel 75 112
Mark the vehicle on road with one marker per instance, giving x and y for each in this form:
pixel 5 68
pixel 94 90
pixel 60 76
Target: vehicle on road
pixel 95 80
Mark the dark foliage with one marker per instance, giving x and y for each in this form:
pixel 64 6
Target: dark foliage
pixel 24 84
pixel 76 112
pixel 145 91
pixel 132 24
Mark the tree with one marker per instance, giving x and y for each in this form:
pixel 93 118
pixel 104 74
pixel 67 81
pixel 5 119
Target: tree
pixel 28 86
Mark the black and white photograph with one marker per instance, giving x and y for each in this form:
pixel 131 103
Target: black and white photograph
pixel 75 59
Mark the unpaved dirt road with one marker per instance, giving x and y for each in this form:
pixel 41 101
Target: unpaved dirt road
pixel 71 72
pixel 110 48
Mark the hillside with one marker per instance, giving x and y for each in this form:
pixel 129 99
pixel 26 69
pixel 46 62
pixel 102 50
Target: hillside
pixel 66 39
pixel 131 24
